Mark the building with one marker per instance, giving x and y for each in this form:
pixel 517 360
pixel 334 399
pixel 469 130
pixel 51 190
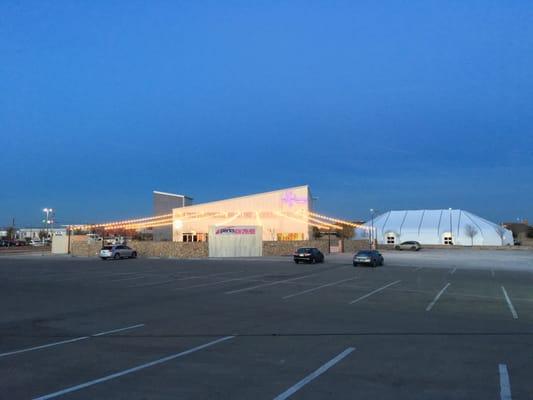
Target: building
pixel 434 227
pixel 282 214
pixel 163 204
pixel 33 233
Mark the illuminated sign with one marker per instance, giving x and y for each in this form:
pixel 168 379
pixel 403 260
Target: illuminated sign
pixel 291 199
pixel 233 230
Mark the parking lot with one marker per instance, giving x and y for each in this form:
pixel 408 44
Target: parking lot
pixel 432 324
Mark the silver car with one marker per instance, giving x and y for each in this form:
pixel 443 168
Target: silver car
pixel 411 245
pixel 117 252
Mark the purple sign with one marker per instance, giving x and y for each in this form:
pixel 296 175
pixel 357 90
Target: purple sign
pixel 291 199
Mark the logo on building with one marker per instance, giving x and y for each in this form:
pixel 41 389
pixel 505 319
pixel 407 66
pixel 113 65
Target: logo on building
pixel 291 199
pixel 235 231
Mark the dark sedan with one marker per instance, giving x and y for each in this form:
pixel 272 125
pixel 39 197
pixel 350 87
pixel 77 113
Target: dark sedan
pixel 371 258
pixel 308 254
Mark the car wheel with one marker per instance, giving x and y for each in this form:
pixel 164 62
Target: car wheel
pixel 355 264
pixel 134 254
pixel 103 258
pixel 297 262
pixel 116 256
pixel 313 260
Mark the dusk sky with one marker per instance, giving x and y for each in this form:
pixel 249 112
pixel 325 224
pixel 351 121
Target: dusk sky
pixel 386 105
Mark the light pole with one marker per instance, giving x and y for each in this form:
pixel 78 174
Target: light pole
pixel 372 243
pixel 451 234
pixel 47 221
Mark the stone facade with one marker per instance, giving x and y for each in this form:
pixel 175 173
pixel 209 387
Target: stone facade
pixel 80 247
pixel 286 248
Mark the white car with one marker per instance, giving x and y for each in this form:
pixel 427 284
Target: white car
pixel 117 252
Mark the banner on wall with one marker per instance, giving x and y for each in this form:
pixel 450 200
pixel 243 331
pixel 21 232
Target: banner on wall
pixel 235 241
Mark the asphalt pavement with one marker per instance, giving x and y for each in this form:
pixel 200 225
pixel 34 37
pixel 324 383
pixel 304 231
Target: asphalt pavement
pixel 427 325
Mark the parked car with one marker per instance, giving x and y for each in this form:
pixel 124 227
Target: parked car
pixel 117 252
pixel 21 243
pixel 372 258
pixel 517 242
pixel 411 245
pixel 7 243
pixel 308 254
pixel 36 243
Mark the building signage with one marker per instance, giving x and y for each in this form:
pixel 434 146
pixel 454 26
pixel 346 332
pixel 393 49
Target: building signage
pixel 291 199
pixel 235 230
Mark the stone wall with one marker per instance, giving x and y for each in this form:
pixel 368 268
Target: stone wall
pixel 287 248
pixel 79 247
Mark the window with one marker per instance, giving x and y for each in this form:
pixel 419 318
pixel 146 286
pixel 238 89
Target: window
pixel 391 239
pixel 448 240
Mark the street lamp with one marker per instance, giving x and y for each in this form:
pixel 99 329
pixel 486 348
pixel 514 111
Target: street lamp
pixel 451 234
pixel 47 221
pixel 372 243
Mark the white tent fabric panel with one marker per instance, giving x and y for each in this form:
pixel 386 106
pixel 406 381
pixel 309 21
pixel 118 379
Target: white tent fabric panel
pixel 432 226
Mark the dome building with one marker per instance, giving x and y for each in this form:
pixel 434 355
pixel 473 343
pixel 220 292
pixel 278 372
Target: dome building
pixel 434 227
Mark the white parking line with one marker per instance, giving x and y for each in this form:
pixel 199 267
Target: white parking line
pixel 269 284
pixel 437 297
pixel 131 370
pixel 374 292
pixel 219 282
pixel 492 273
pixel 44 346
pixel 118 330
pixel 77 339
pixel 511 307
pixel 293 389
pixel 183 279
pixel 127 279
pixel 417 269
pixel 317 288
pixel 453 271
pixel 505 385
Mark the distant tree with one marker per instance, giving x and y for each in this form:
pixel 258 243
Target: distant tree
pixel 43 234
pixel 471 231
pixel 500 230
pixel 316 233
pixel 11 233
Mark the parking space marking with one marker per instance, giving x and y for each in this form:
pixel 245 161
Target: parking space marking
pixel 374 292
pixel 437 297
pixel 317 288
pixel 505 384
pixel 183 279
pixel 492 273
pixel 127 279
pixel 269 284
pixel 119 330
pixel 453 271
pixel 293 389
pixel 77 339
pixel 44 346
pixel 417 269
pixel 511 307
pixel 219 282
pixel 131 370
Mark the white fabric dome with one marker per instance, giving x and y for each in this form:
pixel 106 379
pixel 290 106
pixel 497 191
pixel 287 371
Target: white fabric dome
pixel 433 227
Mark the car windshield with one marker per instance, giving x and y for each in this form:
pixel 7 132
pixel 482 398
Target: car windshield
pixel 305 250
pixel 107 248
pixel 364 253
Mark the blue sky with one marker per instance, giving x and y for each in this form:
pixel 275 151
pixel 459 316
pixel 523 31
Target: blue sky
pixel 387 105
